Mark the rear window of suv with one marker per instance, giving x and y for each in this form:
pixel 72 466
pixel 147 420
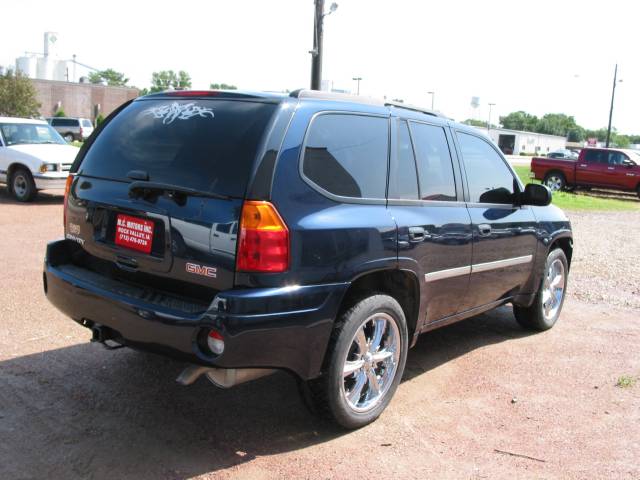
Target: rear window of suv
pixel 207 145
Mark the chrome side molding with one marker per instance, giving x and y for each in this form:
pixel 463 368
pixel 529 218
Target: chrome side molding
pixel 476 268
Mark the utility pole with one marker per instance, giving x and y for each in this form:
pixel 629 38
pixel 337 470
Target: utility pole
pixel 433 94
pixel 357 79
pixel 613 94
pixel 316 53
pixel 489 121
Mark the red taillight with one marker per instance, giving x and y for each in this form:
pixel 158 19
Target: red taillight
pixel 81 131
pixel 263 244
pixel 67 190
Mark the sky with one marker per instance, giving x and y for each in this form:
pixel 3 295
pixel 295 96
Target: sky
pixel 539 56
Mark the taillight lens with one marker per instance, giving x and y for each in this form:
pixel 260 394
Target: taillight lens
pixel 215 342
pixel 264 239
pixel 67 190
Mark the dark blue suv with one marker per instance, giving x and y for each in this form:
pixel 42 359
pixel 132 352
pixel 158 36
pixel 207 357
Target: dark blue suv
pixel 314 233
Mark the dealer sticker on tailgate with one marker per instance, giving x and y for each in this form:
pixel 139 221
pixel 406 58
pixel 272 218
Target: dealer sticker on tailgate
pixel 135 233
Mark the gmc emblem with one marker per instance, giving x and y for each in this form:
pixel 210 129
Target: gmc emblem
pixel 201 270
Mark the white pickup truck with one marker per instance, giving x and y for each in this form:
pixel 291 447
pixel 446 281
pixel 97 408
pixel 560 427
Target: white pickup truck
pixel 33 156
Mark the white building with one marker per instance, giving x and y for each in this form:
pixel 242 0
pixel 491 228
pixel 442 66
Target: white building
pixel 515 142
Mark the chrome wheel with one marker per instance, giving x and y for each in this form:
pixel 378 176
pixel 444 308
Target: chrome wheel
pixel 20 185
pixel 371 362
pixel 554 182
pixel 68 138
pixel 553 289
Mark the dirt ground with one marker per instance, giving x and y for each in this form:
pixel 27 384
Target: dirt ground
pixel 479 399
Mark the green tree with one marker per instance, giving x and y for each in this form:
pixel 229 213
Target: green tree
pixel 60 113
pixel 99 119
pixel 167 79
pixel 556 124
pixel 222 86
pixel 110 77
pixel 17 96
pixel 520 121
pixel 622 141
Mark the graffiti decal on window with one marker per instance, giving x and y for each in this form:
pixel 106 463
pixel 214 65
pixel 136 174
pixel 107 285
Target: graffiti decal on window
pixel 178 111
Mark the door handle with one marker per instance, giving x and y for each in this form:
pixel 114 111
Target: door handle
pixel 484 229
pixel 416 234
pixel 611 168
pixel 582 165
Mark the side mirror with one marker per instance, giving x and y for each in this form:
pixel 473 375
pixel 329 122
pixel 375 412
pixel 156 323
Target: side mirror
pixel 536 194
pixel 628 163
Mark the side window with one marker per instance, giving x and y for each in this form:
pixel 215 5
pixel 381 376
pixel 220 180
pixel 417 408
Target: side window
pixel 55 122
pixel 616 158
pixel 435 168
pixel 403 180
pixel 489 178
pixel 346 155
pixel 595 156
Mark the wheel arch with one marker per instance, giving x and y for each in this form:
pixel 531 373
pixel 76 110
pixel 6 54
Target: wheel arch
pixel 565 243
pixel 402 285
pixel 12 168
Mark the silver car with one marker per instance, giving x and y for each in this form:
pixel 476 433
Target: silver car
pixel 72 128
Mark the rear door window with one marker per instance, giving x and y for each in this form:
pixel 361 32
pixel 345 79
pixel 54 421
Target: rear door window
pixel 86 123
pixel 435 167
pixel 596 156
pixel 205 144
pixel 346 155
pixel 403 179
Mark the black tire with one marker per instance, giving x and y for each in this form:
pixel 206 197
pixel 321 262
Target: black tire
pixel 68 137
pixel 534 316
pixel 23 187
pixel 555 181
pixel 638 190
pixel 326 394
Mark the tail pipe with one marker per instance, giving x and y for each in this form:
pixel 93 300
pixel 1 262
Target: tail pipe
pixel 222 377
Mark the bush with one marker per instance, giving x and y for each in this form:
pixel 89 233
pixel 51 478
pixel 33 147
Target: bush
pixel 99 119
pixel 60 113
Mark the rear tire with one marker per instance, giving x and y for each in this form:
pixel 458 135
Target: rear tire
pixel 68 137
pixel 555 181
pixel 22 185
pixel 543 313
pixel 364 363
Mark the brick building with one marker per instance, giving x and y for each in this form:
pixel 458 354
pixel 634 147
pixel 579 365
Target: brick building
pixel 84 100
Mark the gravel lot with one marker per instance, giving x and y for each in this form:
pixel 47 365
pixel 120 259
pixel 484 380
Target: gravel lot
pixel 480 399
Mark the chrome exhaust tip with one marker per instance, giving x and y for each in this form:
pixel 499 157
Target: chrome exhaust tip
pixel 222 377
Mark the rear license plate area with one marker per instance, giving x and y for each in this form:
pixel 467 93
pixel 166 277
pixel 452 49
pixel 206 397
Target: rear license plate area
pixel 134 233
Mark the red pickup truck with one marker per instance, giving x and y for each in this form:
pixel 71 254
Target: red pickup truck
pixel 595 167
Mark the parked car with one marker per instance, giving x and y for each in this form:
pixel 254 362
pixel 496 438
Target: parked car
pixel 612 168
pixel 71 129
pixel 563 153
pixel 360 224
pixel 32 157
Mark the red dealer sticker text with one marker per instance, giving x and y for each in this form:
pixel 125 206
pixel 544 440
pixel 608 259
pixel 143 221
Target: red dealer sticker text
pixel 134 233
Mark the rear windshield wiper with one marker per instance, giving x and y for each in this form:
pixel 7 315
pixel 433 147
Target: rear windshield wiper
pixel 176 192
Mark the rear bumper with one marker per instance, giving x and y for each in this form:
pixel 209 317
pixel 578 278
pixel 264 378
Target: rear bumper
pixel 286 328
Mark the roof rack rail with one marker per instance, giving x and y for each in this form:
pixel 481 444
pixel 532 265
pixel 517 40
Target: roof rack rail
pixel 414 108
pixel 345 97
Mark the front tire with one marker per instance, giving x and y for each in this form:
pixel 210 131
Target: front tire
pixel 555 181
pixel 364 365
pixel 22 185
pixel 545 309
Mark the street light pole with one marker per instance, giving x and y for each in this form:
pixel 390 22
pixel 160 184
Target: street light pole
pixel 357 79
pixel 316 53
pixel 489 121
pixel 433 94
pixel 613 94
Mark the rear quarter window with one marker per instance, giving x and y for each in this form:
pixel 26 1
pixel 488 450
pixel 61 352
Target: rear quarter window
pixel 207 145
pixel 346 155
